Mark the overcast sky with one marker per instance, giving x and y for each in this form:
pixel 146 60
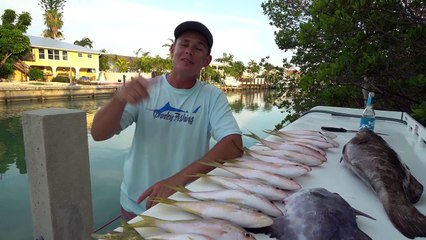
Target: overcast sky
pixel 123 26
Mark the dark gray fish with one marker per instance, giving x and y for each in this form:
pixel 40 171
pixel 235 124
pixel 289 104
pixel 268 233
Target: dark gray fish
pixel 317 214
pixel 376 163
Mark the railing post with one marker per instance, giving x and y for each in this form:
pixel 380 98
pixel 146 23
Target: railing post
pixel 57 157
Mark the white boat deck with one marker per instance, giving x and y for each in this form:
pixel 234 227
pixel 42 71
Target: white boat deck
pixel 408 140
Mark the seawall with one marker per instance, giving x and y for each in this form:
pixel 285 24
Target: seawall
pixel 27 92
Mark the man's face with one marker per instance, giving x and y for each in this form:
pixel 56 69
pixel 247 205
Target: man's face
pixel 190 53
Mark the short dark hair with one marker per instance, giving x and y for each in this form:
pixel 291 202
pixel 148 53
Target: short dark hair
pixel 196 27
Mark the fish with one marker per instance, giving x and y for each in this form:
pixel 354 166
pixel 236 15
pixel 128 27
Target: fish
pixel 234 213
pixel 321 142
pixel 286 170
pixel 271 159
pixel 270 178
pixel 295 157
pixel 371 158
pixel 237 196
pixel 128 233
pixel 214 228
pixel 310 133
pixel 316 213
pixel 179 236
pixel 251 185
pixel 285 146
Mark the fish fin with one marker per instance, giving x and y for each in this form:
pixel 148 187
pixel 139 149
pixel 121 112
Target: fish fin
pixel 167 201
pixel 357 212
pixel 147 221
pixel 177 188
pixel 407 219
pixel 232 162
pixel 197 175
pixel 415 189
pixel 271 132
pixel 211 163
pixel 111 235
pixel 253 135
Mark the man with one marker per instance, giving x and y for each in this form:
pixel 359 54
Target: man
pixel 175 116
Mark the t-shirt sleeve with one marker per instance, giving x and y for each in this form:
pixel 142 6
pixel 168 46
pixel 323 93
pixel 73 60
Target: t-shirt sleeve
pixel 222 120
pixel 129 116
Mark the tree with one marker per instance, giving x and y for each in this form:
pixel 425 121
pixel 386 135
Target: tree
pixel 253 68
pixel 210 74
pixel 84 42
pixel 104 61
pixel 169 45
pixel 343 47
pixel 236 70
pixel 53 13
pixel 14 44
pixel 122 65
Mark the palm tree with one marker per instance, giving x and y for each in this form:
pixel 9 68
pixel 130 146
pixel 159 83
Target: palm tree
pixel 122 65
pixel 169 45
pixel 84 42
pixel 53 18
pixel 54 22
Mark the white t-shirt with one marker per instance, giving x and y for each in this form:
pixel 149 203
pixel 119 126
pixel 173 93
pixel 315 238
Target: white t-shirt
pixel 173 129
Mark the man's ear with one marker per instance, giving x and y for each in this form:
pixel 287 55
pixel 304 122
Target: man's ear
pixel 207 61
pixel 172 50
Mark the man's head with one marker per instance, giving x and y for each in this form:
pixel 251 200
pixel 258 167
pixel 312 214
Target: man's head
pixel 193 26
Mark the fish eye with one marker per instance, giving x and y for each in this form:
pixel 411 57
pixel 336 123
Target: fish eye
pixel 248 235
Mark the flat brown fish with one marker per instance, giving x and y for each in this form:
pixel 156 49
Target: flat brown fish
pixel 375 162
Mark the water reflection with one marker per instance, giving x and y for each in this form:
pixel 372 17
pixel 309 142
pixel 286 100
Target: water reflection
pixel 249 108
pixel 250 100
pixel 11 139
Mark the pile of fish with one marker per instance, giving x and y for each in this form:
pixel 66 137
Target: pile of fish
pixel 246 193
pixel 377 164
pixel 251 187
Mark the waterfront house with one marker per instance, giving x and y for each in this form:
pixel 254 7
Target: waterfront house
pixel 59 58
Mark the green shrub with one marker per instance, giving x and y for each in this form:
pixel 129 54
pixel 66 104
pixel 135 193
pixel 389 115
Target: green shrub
pixel 35 74
pixel 6 70
pixel 61 79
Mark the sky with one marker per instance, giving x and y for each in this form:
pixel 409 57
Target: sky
pixel 239 27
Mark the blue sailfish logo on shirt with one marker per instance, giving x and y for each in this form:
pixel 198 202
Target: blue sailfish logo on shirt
pixel 168 107
pixel 172 114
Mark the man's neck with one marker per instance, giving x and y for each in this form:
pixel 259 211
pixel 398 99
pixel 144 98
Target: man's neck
pixel 181 81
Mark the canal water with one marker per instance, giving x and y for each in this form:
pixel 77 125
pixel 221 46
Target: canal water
pixel 250 109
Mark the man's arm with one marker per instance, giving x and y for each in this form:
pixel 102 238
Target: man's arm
pixel 229 147
pixel 106 122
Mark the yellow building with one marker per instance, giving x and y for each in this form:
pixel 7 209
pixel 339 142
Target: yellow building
pixel 58 58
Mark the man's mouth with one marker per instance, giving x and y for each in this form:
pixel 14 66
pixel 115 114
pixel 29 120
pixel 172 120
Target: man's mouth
pixel 187 60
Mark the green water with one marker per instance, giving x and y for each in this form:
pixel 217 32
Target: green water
pixel 249 108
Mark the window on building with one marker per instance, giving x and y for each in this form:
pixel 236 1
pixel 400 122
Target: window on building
pixel 56 54
pixel 50 54
pixel 64 55
pixel 41 53
pixel 89 55
pixel 53 54
pixel 80 54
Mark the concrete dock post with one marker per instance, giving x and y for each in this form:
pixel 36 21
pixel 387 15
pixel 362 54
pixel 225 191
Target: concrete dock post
pixel 57 157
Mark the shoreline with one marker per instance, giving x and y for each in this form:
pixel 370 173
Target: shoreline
pixel 41 91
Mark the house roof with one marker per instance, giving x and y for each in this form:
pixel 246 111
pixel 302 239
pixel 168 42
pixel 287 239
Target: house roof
pixel 42 42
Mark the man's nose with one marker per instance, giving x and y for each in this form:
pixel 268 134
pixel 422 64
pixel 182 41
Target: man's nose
pixel 189 50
